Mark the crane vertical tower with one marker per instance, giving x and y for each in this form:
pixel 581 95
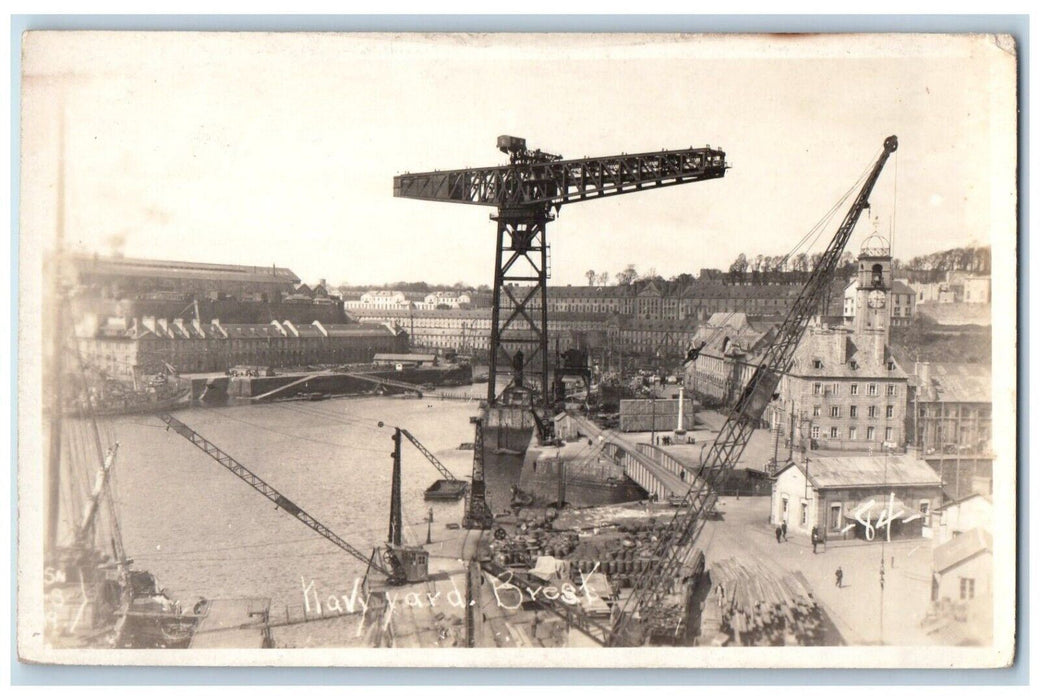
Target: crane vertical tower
pixel 641 611
pixel 528 193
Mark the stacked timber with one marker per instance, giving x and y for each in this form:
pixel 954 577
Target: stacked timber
pixel 750 604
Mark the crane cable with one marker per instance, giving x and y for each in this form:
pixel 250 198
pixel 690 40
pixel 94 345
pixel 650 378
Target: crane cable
pixel 816 229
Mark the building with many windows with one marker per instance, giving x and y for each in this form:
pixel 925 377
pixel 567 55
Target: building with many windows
pixel 145 345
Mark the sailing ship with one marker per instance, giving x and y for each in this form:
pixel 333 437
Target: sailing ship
pixel 93 596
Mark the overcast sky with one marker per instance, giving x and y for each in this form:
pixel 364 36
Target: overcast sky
pixel 261 149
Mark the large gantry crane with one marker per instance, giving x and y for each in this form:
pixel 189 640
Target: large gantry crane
pixel 528 193
pixel 637 619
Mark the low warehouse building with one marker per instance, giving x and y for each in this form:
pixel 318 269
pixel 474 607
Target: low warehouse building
pixel 857 496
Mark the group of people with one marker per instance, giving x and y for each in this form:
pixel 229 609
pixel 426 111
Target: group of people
pixel 817 539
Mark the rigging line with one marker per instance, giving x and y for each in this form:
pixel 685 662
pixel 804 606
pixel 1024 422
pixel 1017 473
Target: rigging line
pixel 820 224
pixel 895 197
pixel 300 437
pixel 356 422
pixel 231 548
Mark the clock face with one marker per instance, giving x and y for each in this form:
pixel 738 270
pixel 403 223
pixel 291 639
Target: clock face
pixel 876 299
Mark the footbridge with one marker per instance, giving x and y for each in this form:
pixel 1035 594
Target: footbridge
pixel 656 472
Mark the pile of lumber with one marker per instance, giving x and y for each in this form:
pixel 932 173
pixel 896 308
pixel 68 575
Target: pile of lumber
pixel 750 604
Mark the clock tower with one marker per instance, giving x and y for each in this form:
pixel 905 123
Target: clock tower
pixel 873 286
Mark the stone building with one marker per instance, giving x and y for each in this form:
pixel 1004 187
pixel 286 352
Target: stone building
pixel 146 345
pixel 950 422
pixel 130 278
pixel 867 497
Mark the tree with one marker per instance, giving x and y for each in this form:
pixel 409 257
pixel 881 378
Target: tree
pixel 602 279
pixel 738 270
pixel 591 276
pixel 628 275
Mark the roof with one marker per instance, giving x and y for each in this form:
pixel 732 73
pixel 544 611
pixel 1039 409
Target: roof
pixel 252 330
pixel 842 354
pixel 960 548
pixel 141 267
pixel 344 329
pixel 958 382
pixel 404 357
pixel 901 287
pixel 726 332
pixel 965 499
pixel 857 471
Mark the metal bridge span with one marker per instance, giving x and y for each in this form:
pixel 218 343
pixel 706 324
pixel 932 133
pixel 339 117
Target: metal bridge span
pixel 657 472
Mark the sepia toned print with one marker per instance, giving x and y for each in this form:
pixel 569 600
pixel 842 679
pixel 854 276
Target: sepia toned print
pixel 757 408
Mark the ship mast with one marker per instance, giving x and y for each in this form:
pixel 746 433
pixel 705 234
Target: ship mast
pixel 57 352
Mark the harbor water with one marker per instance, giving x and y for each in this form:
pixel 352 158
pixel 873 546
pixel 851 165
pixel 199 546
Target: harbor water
pixel 204 532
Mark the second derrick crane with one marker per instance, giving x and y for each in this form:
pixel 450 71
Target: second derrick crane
pixel 528 193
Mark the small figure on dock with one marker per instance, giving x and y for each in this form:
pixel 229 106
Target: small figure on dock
pixel 838 575
pixel 779 534
pixel 783 530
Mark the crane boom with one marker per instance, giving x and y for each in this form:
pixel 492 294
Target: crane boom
pixel 428 455
pixel 548 184
pixel 526 192
pixel 676 545
pixel 269 492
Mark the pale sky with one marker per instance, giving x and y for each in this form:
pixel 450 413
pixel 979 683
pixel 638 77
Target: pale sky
pixel 260 149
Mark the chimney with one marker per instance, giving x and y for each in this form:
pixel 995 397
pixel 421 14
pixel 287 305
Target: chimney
pixel 839 345
pixel 923 370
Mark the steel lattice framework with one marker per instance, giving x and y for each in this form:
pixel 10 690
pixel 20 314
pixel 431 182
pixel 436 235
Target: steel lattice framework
pixel 638 617
pixel 528 192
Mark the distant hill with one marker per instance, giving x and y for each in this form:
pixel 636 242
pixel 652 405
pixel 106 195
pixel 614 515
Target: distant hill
pixel 928 341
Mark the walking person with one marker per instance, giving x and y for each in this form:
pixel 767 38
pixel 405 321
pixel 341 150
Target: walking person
pixel 779 534
pixel 838 575
pixel 783 530
pixel 815 536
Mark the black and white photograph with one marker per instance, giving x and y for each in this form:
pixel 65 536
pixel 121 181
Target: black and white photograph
pixel 514 350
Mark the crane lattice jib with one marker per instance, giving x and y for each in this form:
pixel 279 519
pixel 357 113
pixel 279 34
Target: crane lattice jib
pixel 429 455
pixel 676 545
pixel 528 185
pixel 268 491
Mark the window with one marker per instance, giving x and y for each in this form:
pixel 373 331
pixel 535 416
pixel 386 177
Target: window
pixel 890 390
pixel 967 588
pixel 835 411
pixel 891 364
pixel 815 432
pixel 817 388
pixel 852 433
pixel 805 513
pixel 854 365
pixel 817 364
pixel 835 519
pixel 872 389
pixel 817 411
pixel 834 432
pixel 870 432
pixel 925 508
pixel 872 411
pixel 888 434
pixel 853 412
